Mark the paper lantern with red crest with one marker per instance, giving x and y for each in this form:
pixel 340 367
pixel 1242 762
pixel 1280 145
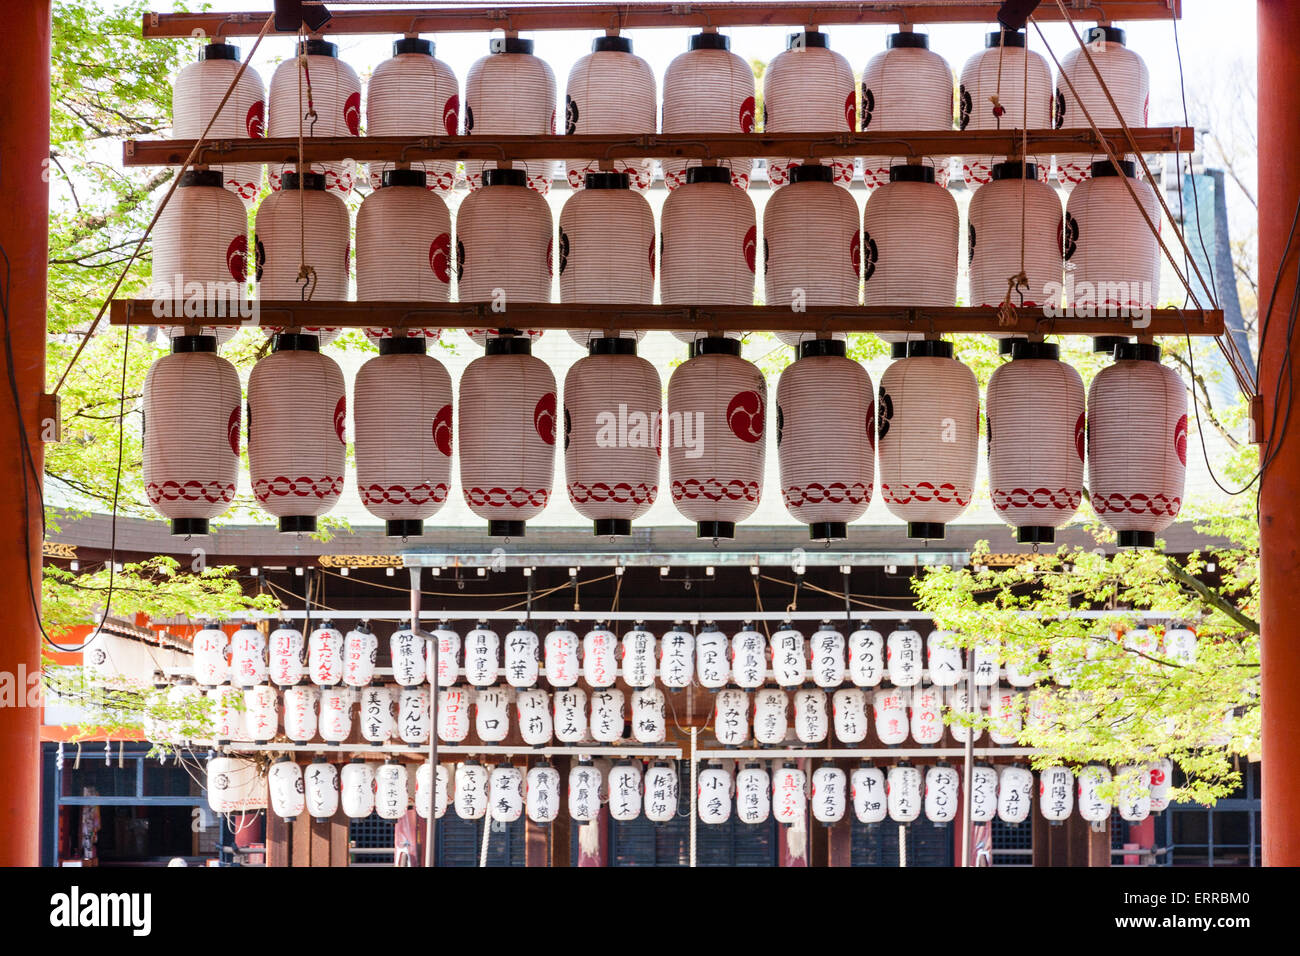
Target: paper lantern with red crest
pixel 910 239
pixel 191 434
pixel 404 250
pixel 296 413
pixel 717 481
pixel 612 435
pixel 708 89
pixel 414 94
pixel 335 97
pixel 1127 84
pixel 1137 444
pixel 507 435
pixel 199 90
pixel 708 244
pixel 825 436
pixel 200 252
pixel 905 87
pixel 992 95
pixel 1036 436
pixel 510 92
pixel 1161 780
pixel 611 90
pixel 402 417
pixel 928 424
pixel 808 88
pixel 1092 806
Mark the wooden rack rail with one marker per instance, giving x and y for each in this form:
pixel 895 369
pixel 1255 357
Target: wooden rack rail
pixel 452 18
pixel 701 319
pixel 662 145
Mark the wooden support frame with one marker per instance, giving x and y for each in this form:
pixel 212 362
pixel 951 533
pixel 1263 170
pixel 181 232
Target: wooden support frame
pixel 705 146
pixel 976 320
pixel 638 16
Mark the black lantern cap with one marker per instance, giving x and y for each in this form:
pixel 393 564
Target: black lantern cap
pixel 194 343
pixel 806 39
pixel 505 177
pixel 1006 345
pixel 715 345
pixel 618 44
pixel 1025 349
pixel 708 174
pixel 320 48
pixel 413 45
pixel 509 345
pixel 403 345
pixel 715 529
pixel 316 181
pixel 897 350
pixel 604 179
pixel 295 342
pixel 500 528
pixel 200 177
pixel 1137 352
pixel 817 347
pixel 403 528
pixel 929 348
pixel 612 527
pixel 1108 343
pixel 189 526
pixel 709 41
pixel 1036 534
pixel 930 530
pixel 1106 168
pixel 811 173
pixel 1015 170
pixel 908 40
pixel 298 524
pixel 612 345
pixel 219 51
pixel 405 177
pixel 1104 34
pixel 1137 539
pixel 510 45
pixel 828 530
pixel 998 38
pixel 908 173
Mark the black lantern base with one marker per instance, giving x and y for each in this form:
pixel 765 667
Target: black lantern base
pixel 404 528
pixel 715 529
pixel 1108 343
pixel 612 527
pixel 828 530
pixel 298 524
pixel 1033 534
pixel 189 526
pixel 505 529
pixel 1137 539
pixel 931 530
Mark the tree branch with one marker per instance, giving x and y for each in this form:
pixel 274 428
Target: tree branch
pixel 1209 597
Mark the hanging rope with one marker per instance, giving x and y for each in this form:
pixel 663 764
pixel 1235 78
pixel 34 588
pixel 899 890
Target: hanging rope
pixel 306 273
pixel 1008 312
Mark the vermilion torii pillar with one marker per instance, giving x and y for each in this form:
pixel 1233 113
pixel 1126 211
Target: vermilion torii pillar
pixel 24 162
pixel 1279 516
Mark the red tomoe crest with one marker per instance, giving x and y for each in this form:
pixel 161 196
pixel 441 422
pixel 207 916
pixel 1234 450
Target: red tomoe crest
pixel 544 418
pixel 1157 776
pixel 1080 435
pixel 745 416
pixel 442 429
pixel 747 115
pixel 255 121
pixel 871 424
pixel 440 257
pixel 237 258
pixel 652 257
pixel 451 115
pixel 352 113
pixel 232 430
pixel 340 415
pixel 855 251
pixel 751 247
pixel 1180 440
pixel 850 108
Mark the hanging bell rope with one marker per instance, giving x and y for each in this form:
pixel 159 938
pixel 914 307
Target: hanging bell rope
pixel 306 273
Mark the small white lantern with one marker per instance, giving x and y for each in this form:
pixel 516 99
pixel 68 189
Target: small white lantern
pixel 943 658
pixel 849 712
pixel 676 658
pixel 234 785
pixel 903 792
pixel 571 715
pixel 210 665
pixel 941 789
pixel 753 794
pixel 600 657
pixel 830 788
pixel 648 726
pixel 284 652
pixel 482 656
pixel 335 714
pixel 182 696
pixel 607 715
pixel 521 657
pixel 424 778
pixel 927 715
pixel 986 665
pixel 248 657
pixel 983 793
pixel 866 657
pixel 453 714
pixel 711 664
pixel 561 657
pixel 889 708
pixel 533 708
pixel 321 784
pixel 1161 780
pixel 661 788
pixel 713 797
pixel 227 721
pixel 1015 790
pixel 413 715
pixel 625 790
pixel 285 782
pixel 789 800
pixel 584 791
pixel 261 721
pixel 492 714
pixel 868 793
pixel 810 719
pixel 375 713
pixel 1180 646
pixel 770 722
pixel 471 799
pixel 1055 793
pixel 789 657
pixel 827 650
pixel 748 658
pixel 731 718
pixel 408 657
pixel 357 789
pixel 300 703
pixel 505 794
pixel 360 649
pixel 1134 793
pixel 903 651
pixel 448 653
pixel 1092 806
pixel 391 793
pixel 542 796
pixel 325 655
pixel 959 703
pixel 638 655
pixel 1006 716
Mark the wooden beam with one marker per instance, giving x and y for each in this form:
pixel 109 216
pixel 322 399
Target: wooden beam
pixel 704 146
pixel 937 320
pixel 639 16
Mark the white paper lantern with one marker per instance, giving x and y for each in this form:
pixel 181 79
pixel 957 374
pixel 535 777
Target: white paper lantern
pixel 1137 444
pixel 521 664
pixel 533 710
pixel 927 715
pixel 357 789
pixel 849 710
pixel 440 782
pixel 905 87
pixel 808 88
pixel 1134 793
pixel 611 90
pixel 889 709
pixel 607 715
pixel 300 720
pixel 600 657
pixel 199 89
pixel 648 726
pixel 995 238
pixel 789 657
pixel 826 647
pixel 748 658
pixel 903 793
pixel 607 247
pixel 866 657
pixel 191 437
pixel 492 714
pixel 867 790
pixel 375 713
pixel 829 794
pixel 510 92
pixel 770 721
pixel 227 721
pixel 210 646
pixel 986 665
pixel 261 719
pixel 753 794
pixel 286 788
pixel 507 400
pixel 708 89
pixel 713 793
pixel 811 723
pixel 943 658
pixel 561 658
pixel 413 715
pixel 453 714
pixel 1024 673
pixel 999 72
pixel 360 650
pixel 283 246
pixel 731 718
pixel 1127 83
pixel 904 654
pixel 325 655
pixel 335 98
pixel 941 794
pixel 959 703
pixel 336 714
pixel 505 794
pixel 1056 793
pixel 983 793
pixel 570 715
pixel 543 793
pixel 661 787
pixel 811 214
pixel 234 785
pixel 503 242
pixel 1093 807
pixel 448 652
pixel 404 250
pixel 584 791
pixel 1160 780
pixel 391 794
pixel 625 790
pixel 1015 794
pixel 637 653
pixel 928 419
pixel 284 653
pixel 712 666
pixel 1179 646
pixel 321 785
pixel 413 94
pixel 676 657
pixel 407 651
pixel 717 481
pixel 471 791
pixel 482 656
pixel 1006 716
pixel 182 698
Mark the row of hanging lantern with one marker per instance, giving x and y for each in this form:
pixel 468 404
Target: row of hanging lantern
pixel 753 791
pixel 923 425
pixel 708 89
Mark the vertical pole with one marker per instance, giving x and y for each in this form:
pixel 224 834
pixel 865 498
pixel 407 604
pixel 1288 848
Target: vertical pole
pixel 1279 521
pixel 24 166
pixel 968 764
pixel 431 822
pixel 695 789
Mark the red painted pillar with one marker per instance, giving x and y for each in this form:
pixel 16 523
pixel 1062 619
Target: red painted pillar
pixel 24 161
pixel 1279 191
